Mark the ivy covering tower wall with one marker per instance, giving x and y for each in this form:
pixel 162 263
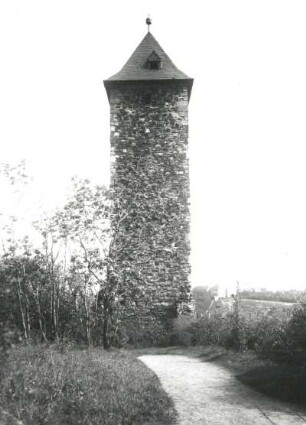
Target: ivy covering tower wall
pixel 150 182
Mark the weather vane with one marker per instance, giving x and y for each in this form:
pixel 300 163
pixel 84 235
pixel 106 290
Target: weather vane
pixel 148 22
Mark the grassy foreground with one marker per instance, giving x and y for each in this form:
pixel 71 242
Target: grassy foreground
pixel 41 385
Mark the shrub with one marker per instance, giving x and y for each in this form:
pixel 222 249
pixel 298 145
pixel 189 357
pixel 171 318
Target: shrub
pixel 266 335
pixel 296 331
pixel 215 330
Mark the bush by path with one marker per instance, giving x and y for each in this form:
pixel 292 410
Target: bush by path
pixel 282 381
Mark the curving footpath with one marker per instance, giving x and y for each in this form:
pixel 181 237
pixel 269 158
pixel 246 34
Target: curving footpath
pixel 207 394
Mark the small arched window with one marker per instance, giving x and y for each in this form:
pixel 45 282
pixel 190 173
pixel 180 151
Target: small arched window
pixel 154 61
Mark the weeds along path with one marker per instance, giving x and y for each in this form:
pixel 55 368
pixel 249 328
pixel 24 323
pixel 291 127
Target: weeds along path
pixel 207 394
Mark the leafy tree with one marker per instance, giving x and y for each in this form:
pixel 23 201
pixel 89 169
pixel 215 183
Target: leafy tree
pixel 83 224
pixel 22 274
pixel 36 299
pixel 12 180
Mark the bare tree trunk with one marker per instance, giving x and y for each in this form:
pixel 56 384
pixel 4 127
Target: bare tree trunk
pixel 96 323
pixel 88 333
pixel 50 268
pixel 105 329
pixel 51 296
pixel 57 307
pixel 28 324
pixel 54 318
pixel 41 328
pixel 50 263
pixel 24 328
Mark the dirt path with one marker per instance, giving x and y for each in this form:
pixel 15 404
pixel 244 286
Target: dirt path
pixel 207 394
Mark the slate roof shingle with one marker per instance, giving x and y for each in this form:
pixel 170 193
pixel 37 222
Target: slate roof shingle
pixel 135 68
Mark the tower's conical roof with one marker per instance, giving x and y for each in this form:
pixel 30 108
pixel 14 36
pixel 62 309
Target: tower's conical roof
pixel 136 67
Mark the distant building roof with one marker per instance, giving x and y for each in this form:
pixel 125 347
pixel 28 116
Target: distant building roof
pixel 136 67
pixel 248 308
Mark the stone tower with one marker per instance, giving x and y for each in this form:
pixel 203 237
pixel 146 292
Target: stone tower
pixel 150 179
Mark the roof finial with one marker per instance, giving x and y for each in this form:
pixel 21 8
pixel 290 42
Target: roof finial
pixel 148 22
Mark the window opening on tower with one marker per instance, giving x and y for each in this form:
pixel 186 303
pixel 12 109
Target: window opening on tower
pixel 154 61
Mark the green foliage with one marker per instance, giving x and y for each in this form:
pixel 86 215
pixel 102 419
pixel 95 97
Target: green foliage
pixel 296 331
pixel 268 335
pixel 202 296
pixel 60 290
pixel 297 324
pixel 282 381
pixel 27 288
pixel 290 296
pixel 238 336
pixel 13 182
pixel 44 385
pixel 215 331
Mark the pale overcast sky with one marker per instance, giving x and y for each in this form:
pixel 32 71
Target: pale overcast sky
pixel 247 117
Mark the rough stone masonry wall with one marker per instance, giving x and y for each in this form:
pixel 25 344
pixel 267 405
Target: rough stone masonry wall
pixel 150 183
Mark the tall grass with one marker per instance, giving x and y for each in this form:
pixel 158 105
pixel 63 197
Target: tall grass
pixel 45 386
